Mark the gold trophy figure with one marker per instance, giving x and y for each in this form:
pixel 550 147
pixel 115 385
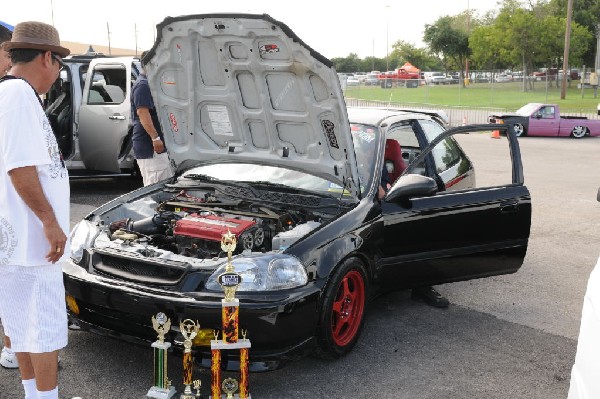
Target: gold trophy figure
pixel 228 244
pixel 162 388
pixel 189 329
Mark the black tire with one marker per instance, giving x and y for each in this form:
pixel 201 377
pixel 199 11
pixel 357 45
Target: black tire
pixel 519 129
pixel 343 310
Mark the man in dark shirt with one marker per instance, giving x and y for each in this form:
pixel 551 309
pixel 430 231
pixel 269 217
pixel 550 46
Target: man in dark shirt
pixel 148 141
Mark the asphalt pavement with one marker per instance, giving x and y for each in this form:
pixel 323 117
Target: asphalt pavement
pixel 502 337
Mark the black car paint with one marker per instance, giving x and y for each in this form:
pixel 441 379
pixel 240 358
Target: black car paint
pixel 511 119
pixel 283 324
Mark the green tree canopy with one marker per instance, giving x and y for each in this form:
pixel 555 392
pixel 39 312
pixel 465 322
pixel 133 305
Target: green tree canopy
pixel 448 38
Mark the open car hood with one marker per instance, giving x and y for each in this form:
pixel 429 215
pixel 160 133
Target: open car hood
pixel 245 88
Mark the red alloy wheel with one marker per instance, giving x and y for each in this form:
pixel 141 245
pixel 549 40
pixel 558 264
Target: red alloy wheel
pixel 348 308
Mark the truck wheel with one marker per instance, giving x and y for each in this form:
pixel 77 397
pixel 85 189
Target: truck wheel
pixel 519 129
pixel 343 310
pixel 579 132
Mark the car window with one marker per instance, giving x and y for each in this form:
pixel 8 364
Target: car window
pixel 108 85
pixel 404 134
pixel 446 153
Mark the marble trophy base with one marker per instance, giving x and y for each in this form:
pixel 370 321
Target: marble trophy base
pixel 161 393
pixel 235 395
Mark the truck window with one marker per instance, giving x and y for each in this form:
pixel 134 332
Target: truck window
pixel 108 85
pixel 547 112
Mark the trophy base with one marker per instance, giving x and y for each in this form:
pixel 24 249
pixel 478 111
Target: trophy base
pixel 161 393
pixel 236 396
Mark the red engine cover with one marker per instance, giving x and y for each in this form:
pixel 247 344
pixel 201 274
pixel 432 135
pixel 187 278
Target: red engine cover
pixel 210 227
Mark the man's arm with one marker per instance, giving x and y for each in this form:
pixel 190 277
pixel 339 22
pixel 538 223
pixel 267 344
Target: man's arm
pixel 27 184
pixel 146 121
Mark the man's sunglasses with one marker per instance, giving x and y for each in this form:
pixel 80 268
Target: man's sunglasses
pixel 58 59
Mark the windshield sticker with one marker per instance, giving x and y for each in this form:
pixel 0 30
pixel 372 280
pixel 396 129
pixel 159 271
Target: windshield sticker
pixel 173 121
pixel 365 136
pixel 328 128
pixel 268 49
pixel 219 119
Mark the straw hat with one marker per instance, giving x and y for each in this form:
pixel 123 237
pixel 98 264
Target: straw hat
pixel 37 36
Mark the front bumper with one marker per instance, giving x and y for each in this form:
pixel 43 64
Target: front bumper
pixel 280 325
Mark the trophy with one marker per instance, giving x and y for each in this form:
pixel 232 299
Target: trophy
pixel 189 329
pixel 230 280
pixel 162 388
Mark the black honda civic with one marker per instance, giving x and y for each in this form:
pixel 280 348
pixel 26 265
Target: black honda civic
pixel 329 204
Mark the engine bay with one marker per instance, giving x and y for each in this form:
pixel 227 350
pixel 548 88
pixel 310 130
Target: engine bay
pixel 190 222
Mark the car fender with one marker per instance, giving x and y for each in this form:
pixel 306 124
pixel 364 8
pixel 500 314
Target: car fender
pixel 325 248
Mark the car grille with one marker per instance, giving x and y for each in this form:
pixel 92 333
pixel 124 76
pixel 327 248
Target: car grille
pixel 144 271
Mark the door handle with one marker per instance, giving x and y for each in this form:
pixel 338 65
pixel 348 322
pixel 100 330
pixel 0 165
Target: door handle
pixel 117 117
pixel 509 206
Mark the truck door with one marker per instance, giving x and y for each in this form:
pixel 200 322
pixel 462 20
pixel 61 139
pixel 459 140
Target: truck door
pixel 544 122
pixel 105 113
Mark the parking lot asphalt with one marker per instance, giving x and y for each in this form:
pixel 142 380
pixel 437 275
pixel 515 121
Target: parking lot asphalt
pixel 508 336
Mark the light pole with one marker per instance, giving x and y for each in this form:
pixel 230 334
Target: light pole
pixel 52 10
pixel 563 88
pixel 387 35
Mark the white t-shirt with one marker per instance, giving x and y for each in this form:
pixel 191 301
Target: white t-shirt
pixel 26 139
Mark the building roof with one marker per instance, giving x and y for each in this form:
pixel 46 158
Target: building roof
pixel 82 48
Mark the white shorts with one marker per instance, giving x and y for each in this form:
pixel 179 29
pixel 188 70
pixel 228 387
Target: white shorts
pixel 155 169
pixel 33 308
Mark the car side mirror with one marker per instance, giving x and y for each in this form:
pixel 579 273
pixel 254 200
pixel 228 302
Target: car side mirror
pixel 410 186
pixel 538 115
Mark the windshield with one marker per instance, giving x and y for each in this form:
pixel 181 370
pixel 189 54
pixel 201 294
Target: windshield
pixel 527 109
pixel 365 139
pixel 251 173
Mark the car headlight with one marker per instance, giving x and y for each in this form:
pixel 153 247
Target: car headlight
pixel 82 237
pixel 263 272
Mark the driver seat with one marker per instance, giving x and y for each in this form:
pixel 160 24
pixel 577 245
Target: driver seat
pixel 393 160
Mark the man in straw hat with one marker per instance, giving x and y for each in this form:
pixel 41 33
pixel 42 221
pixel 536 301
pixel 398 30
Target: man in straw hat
pixel 34 215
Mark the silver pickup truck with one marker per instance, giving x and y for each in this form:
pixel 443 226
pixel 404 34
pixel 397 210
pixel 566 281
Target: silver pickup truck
pixel 89 110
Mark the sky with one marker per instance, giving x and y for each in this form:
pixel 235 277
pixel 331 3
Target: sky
pixel 331 27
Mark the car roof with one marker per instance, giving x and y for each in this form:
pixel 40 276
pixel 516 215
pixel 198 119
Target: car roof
pixel 377 116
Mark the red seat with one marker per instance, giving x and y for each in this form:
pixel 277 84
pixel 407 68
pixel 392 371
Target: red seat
pixel 393 160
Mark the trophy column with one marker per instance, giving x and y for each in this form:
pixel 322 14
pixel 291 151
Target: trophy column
pixel 230 306
pixel 189 329
pixel 162 388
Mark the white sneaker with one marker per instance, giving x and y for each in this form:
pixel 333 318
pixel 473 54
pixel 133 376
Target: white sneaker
pixel 8 359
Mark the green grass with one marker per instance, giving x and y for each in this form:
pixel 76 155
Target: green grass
pixel 506 96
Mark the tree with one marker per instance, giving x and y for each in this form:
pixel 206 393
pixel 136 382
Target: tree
pixel 585 14
pixel 351 63
pixel 403 52
pixel 529 37
pixel 448 39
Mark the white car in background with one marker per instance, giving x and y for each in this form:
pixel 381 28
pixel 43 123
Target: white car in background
pixel 353 81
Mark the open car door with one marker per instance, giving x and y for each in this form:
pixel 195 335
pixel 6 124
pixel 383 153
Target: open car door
pixel 105 113
pixel 434 236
